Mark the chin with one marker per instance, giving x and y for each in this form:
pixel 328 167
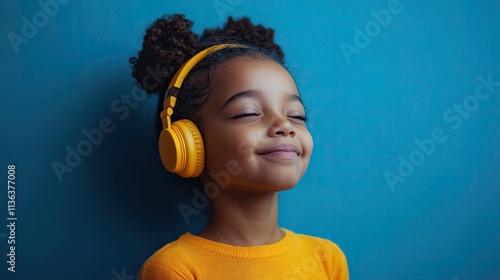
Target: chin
pixel 273 186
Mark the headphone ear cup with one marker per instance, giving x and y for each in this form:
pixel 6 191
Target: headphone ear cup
pixel 195 148
pixel 182 150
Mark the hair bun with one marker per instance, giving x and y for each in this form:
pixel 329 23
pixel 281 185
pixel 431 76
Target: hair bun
pixel 168 43
pixel 245 32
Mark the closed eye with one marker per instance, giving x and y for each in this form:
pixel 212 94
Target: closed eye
pixel 302 118
pixel 299 117
pixel 245 115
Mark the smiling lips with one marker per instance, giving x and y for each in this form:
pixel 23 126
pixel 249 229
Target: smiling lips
pixel 287 151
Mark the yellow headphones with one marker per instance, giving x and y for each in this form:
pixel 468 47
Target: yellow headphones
pixel 181 145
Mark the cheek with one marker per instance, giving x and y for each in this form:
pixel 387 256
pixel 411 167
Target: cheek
pixel 308 142
pixel 222 146
pixel 312 142
pixel 236 143
pixel 247 144
pixel 308 145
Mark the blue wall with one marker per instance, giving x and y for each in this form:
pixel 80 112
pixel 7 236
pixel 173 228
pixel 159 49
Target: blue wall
pixel 404 176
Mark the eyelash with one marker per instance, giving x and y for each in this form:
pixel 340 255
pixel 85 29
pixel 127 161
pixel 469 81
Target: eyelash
pixel 244 115
pixel 300 117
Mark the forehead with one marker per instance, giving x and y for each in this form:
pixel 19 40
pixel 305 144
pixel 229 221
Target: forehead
pixel 250 73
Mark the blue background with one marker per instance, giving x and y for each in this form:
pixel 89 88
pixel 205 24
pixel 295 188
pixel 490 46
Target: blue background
pixel 367 109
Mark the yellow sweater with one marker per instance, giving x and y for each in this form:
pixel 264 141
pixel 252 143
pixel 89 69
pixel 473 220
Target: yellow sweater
pixel 296 256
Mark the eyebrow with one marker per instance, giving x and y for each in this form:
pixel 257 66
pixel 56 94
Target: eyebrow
pixel 295 97
pixel 254 93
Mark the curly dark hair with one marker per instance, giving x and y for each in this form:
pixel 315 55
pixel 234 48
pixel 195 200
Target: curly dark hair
pixel 169 42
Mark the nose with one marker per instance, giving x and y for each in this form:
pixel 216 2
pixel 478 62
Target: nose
pixel 281 126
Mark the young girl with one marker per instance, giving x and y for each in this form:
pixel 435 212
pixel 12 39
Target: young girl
pixel 234 118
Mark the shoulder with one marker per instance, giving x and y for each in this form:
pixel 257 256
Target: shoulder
pixel 169 262
pixel 323 250
pixel 316 243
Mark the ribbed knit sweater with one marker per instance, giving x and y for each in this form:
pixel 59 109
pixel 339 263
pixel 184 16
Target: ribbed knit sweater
pixel 295 256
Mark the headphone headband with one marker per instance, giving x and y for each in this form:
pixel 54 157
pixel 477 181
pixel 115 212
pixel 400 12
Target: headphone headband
pixel 176 82
pixel 181 74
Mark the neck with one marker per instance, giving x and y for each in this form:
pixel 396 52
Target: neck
pixel 244 219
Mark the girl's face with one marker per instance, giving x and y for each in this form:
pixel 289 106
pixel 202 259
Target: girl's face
pixel 253 128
